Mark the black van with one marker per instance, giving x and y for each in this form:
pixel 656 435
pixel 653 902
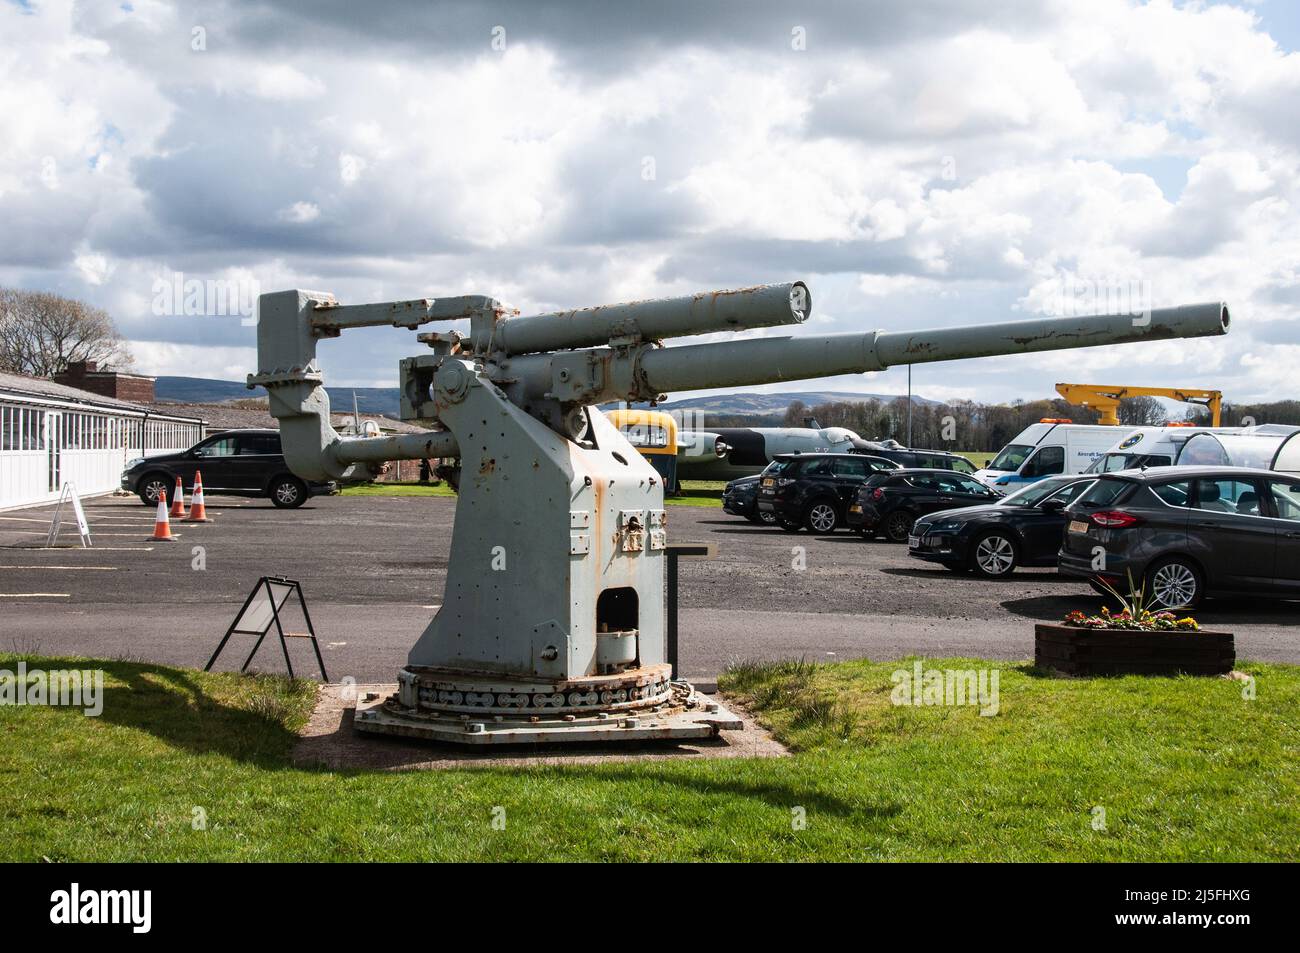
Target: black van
pixel 234 462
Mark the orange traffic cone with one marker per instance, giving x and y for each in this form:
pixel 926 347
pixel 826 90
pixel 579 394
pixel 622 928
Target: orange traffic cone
pixel 162 527
pixel 198 512
pixel 178 500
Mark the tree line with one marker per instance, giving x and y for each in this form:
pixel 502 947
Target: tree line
pixel 973 426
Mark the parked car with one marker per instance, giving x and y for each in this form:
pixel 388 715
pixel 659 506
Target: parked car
pixel 740 498
pixel 993 539
pixel 1185 533
pixel 814 490
pixel 912 458
pixel 235 462
pixel 890 503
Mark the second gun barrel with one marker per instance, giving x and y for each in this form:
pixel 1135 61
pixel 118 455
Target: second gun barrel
pixel 758 307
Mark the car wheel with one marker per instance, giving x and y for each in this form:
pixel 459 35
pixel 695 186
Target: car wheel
pixel 994 556
pixel 155 487
pixel 1175 584
pixel 821 517
pixel 767 517
pixel 898 526
pixel 288 492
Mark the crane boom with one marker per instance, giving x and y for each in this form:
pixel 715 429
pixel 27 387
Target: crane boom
pixel 1105 398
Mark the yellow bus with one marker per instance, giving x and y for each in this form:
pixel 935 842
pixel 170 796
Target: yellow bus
pixel 654 434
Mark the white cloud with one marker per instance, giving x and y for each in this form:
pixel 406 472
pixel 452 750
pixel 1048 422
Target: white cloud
pixel 960 172
pixel 299 213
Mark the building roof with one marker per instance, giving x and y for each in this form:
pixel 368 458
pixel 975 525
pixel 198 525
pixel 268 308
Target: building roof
pixel 23 385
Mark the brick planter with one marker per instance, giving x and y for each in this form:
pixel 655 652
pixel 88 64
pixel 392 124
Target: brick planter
pixel 1079 651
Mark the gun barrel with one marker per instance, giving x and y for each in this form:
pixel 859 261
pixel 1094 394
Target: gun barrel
pixel 768 360
pixel 757 307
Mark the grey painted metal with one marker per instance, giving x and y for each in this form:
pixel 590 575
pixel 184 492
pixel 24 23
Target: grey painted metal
pixel 553 623
pixel 763 360
pixel 758 307
pixel 332 317
pixel 411 446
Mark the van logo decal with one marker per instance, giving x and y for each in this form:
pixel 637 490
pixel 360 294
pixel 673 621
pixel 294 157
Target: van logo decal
pixel 1132 441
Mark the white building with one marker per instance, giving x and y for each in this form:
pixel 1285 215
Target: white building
pixel 51 434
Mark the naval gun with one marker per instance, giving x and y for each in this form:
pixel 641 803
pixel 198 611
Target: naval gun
pixel 552 623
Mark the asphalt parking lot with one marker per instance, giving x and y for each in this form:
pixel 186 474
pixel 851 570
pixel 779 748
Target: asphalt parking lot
pixel 373 570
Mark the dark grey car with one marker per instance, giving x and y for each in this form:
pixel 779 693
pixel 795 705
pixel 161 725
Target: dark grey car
pixel 1188 532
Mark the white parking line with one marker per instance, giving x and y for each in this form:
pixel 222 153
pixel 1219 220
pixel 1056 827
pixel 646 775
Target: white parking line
pixel 76 568
pixel 33 595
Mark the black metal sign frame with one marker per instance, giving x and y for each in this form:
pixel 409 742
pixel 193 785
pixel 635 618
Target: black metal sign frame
pixel 292 587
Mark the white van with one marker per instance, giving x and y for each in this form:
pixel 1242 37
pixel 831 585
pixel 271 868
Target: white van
pixel 1045 449
pixel 1151 447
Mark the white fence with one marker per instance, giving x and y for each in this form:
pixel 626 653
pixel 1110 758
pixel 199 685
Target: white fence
pixel 43 445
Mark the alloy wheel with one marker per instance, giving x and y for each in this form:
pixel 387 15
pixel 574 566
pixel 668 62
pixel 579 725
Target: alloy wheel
pixel 995 555
pixel 1174 585
pixel 821 518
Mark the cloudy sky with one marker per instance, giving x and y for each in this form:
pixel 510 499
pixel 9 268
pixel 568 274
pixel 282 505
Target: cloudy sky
pixel 918 163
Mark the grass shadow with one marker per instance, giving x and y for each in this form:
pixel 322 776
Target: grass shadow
pixel 251 724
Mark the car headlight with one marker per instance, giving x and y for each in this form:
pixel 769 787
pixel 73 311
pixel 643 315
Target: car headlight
pixel 951 526
pixel 132 464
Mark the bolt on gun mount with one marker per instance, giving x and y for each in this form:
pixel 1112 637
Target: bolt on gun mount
pixel 552 621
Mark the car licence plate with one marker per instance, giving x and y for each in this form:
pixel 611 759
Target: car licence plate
pixel 855 508
pixel 914 542
pixel 1079 526
pixel 768 482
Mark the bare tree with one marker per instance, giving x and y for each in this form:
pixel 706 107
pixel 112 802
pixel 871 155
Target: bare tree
pixel 42 333
pixel 1142 412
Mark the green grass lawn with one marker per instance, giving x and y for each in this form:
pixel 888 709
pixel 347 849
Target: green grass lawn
pixel 1185 768
pixel 978 457
pixel 695 492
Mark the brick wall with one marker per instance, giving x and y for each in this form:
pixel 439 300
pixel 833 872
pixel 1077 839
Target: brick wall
pixel 85 375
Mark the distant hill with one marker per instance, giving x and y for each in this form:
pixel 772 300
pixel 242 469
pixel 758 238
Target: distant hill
pixel 200 390
pixel 775 404
pixel 384 400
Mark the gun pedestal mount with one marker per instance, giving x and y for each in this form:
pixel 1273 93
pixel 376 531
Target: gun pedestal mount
pixel 552 626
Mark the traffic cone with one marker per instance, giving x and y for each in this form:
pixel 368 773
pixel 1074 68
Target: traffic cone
pixel 178 500
pixel 162 527
pixel 198 512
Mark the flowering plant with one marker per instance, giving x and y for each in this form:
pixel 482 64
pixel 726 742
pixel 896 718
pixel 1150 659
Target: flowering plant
pixel 1147 621
pixel 1135 614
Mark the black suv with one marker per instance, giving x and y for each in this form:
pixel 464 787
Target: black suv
pixel 1023 529
pixel 890 503
pixel 814 489
pixel 740 498
pixel 235 462
pixel 1188 532
pixel 911 458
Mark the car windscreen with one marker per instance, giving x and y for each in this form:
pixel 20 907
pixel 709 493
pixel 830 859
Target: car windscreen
pixel 788 467
pixel 1033 493
pixel 1011 457
pixel 1104 492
